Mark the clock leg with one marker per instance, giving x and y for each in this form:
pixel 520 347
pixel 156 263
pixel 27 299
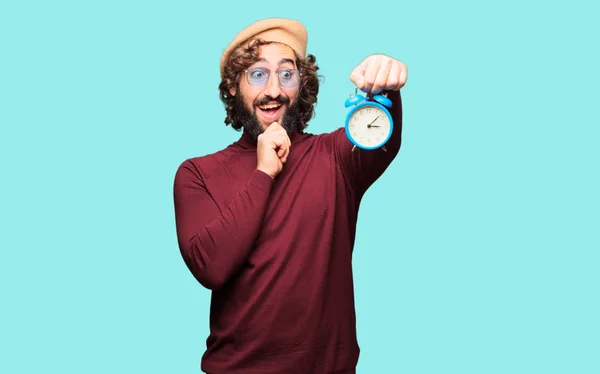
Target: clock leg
pixel 383 147
pixel 353 148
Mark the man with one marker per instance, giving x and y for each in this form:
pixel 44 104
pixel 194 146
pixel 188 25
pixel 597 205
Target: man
pixel 268 223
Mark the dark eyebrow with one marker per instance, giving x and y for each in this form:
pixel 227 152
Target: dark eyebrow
pixel 281 62
pixel 286 60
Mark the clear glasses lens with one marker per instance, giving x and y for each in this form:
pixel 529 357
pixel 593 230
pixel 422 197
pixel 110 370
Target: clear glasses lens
pixel 288 78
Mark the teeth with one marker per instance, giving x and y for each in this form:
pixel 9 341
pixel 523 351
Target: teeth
pixel 271 106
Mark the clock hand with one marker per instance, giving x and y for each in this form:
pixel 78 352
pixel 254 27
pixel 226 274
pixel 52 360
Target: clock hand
pixel 371 124
pixel 376 118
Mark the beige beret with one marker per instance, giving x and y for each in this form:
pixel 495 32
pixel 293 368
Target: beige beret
pixel 282 30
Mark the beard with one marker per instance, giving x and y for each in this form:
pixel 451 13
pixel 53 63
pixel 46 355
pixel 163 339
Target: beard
pixel 249 121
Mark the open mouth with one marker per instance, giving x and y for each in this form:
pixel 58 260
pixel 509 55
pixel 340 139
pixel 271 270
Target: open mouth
pixel 269 108
pixel 270 111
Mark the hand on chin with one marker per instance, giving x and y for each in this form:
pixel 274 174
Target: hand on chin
pixel 264 123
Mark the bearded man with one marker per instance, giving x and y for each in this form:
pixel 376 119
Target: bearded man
pixel 268 223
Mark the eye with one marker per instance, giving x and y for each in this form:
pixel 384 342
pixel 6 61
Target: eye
pixel 286 74
pixel 257 73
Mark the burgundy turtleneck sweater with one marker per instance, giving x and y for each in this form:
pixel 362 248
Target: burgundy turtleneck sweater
pixel 277 254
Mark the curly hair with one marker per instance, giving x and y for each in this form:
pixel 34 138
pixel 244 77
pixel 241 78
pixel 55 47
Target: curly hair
pixel 242 58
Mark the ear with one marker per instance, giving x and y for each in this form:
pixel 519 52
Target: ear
pixel 232 90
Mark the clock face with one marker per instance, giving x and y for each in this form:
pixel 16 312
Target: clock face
pixel 369 126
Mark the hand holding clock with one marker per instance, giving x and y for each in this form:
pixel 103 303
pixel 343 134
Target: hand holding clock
pixel 379 72
pixel 376 75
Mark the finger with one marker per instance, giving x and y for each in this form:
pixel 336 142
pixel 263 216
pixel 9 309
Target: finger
pixel 370 75
pixel 357 75
pixel 283 140
pixel 281 152
pixel 285 155
pixel 288 146
pixel 381 80
pixel 394 78
pixel 273 127
pixel 403 75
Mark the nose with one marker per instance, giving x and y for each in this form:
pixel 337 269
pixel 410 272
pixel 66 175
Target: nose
pixel 272 87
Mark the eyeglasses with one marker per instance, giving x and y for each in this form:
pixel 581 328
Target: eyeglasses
pixel 259 76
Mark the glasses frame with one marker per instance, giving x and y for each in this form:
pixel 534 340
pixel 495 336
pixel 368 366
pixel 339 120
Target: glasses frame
pixel 268 72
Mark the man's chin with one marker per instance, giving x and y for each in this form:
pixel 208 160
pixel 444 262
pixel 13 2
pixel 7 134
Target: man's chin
pixel 254 123
pixel 264 122
pixel 267 124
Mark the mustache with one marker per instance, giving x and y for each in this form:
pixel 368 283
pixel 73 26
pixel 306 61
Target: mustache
pixel 267 99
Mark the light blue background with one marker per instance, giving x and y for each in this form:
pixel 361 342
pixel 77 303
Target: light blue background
pixel 477 252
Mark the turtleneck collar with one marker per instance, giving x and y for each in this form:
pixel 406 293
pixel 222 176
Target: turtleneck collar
pixel 246 141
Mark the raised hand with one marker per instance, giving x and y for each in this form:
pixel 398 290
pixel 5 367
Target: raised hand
pixel 273 148
pixel 379 72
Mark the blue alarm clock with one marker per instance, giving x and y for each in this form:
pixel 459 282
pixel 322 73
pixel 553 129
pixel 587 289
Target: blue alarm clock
pixel 369 124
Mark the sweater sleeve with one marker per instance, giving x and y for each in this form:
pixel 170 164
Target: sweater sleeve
pixel 361 168
pixel 215 244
